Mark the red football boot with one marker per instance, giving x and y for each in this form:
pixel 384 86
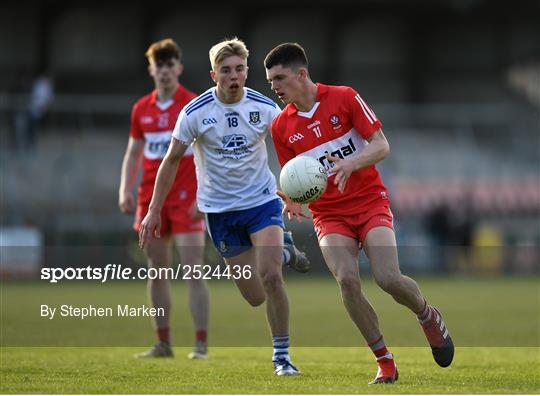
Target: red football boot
pixel 438 337
pixel 387 372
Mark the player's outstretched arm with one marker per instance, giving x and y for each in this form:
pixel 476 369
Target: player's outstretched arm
pixel 377 150
pixel 151 223
pixel 130 169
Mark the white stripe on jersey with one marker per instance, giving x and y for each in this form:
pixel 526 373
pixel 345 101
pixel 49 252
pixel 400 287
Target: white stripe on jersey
pixel 346 146
pixel 368 108
pixel 367 111
pixel 157 143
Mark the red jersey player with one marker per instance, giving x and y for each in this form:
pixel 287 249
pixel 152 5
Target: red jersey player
pixel 152 120
pixel 335 126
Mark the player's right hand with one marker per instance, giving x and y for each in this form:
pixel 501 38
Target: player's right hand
pixel 126 202
pixel 293 210
pixel 149 228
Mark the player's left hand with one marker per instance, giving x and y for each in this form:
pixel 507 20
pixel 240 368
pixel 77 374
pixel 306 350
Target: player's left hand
pixel 343 169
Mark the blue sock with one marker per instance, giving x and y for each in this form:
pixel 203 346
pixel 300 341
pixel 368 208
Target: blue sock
pixel 287 240
pixel 286 257
pixel 281 348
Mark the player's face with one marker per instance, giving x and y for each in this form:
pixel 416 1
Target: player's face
pixel 230 78
pixel 165 72
pixel 285 82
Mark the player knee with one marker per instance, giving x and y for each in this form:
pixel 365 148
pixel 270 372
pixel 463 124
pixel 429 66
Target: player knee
pixel 272 281
pixel 156 262
pixel 157 256
pixel 389 283
pixel 349 283
pixel 255 300
pixel 158 282
pixel 196 284
pixel 254 296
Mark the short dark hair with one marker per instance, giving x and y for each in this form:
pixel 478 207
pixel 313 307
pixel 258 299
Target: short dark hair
pixel 286 55
pixel 163 51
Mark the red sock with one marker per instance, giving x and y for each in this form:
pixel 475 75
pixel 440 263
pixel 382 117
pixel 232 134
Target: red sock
pixel 200 336
pixel 379 348
pixel 163 335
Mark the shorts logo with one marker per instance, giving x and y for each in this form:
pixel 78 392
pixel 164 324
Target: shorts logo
pixel 223 246
pixel 384 195
pixel 296 137
pixel 254 117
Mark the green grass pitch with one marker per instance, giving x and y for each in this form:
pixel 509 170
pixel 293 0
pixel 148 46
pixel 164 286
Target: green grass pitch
pixel 494 322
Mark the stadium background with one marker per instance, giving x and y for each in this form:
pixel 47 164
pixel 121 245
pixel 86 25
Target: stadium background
pixel 455 83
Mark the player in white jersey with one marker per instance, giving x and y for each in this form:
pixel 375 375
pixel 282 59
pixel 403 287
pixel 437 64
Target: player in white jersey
pixel 229 141
pixel 236 189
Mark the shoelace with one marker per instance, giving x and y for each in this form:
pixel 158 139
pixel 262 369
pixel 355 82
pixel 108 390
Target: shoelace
pixel 284 363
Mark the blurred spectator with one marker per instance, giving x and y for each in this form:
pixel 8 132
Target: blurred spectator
pixel 28 124
pixel 462 228
pixel 438 226
pixel 451 227
pixel 488 253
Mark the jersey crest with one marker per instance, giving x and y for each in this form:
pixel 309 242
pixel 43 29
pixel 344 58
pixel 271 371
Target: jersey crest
pixel 254 117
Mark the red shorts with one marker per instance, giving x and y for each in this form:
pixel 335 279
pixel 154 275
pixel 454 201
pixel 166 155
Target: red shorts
pixel 354 226
pixel 175 219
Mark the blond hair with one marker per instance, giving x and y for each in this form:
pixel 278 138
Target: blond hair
pixel 227 48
